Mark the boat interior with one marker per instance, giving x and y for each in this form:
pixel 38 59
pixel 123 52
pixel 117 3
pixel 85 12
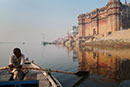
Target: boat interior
pixel 34 78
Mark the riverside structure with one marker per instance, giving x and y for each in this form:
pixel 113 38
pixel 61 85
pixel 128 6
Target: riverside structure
pixel 114 16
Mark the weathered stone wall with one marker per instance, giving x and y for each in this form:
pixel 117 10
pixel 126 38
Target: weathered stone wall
pixel 80 30
pixel 91 28
pixel 103 26
pixel 114 23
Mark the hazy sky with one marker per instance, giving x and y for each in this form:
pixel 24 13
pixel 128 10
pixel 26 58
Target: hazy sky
pixel 26 20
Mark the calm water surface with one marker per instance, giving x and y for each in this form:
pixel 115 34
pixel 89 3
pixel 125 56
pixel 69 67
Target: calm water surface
pixel 108 67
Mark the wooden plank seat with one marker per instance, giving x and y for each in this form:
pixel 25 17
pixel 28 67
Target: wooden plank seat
pixel 5 75
pixel 36 75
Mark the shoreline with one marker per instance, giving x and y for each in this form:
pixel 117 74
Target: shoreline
pixel 107 43
pixel 118 39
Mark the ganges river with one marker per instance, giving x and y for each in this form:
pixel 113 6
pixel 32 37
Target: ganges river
pixel 108 67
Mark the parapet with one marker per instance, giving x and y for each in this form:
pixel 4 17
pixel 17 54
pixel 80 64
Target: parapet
pixel 81 15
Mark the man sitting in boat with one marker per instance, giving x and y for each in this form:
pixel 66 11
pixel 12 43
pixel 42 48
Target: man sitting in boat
pixel 15 64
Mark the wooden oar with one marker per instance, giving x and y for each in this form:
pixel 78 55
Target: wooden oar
pixel 80 73
pixel 2 68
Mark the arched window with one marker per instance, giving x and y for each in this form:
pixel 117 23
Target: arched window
pixel 94 31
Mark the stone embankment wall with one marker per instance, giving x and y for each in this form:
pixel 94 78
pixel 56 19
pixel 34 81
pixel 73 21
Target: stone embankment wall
pixel 115 39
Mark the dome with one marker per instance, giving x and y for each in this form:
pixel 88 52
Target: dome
pixel 75 30
pixel 113 1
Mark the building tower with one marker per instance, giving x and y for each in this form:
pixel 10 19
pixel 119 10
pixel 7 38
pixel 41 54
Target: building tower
pixel 125 2
pixel 81 20
pixel 113 9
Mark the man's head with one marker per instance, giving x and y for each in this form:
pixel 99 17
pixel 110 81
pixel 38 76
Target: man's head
pixel 17 52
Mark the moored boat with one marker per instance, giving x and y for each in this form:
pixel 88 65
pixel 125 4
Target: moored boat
pixel 34 78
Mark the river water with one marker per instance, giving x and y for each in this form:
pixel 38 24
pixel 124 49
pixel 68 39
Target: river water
pixel 108 67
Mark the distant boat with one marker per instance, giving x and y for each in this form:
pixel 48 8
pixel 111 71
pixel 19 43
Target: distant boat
pixel 44 43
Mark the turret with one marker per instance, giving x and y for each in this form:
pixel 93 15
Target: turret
pixel 113 9
pixel 110 1
pixel 125 2
pixel 81 22
pixel 81 18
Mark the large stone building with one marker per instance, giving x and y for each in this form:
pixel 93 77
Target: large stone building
pixel 114 16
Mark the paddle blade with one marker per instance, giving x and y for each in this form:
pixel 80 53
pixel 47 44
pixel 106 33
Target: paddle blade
pixel 82 73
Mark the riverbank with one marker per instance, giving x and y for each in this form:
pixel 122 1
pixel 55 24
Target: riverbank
pixel 115 39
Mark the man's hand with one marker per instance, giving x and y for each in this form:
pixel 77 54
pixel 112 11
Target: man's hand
pixel 11 66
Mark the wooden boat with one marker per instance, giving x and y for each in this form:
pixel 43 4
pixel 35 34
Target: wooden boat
pixel 34 78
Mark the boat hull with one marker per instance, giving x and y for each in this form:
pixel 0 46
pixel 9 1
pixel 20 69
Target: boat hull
pixel 34 78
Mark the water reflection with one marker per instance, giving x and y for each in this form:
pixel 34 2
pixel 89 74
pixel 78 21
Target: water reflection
pixel 110 63
pixel 80 81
